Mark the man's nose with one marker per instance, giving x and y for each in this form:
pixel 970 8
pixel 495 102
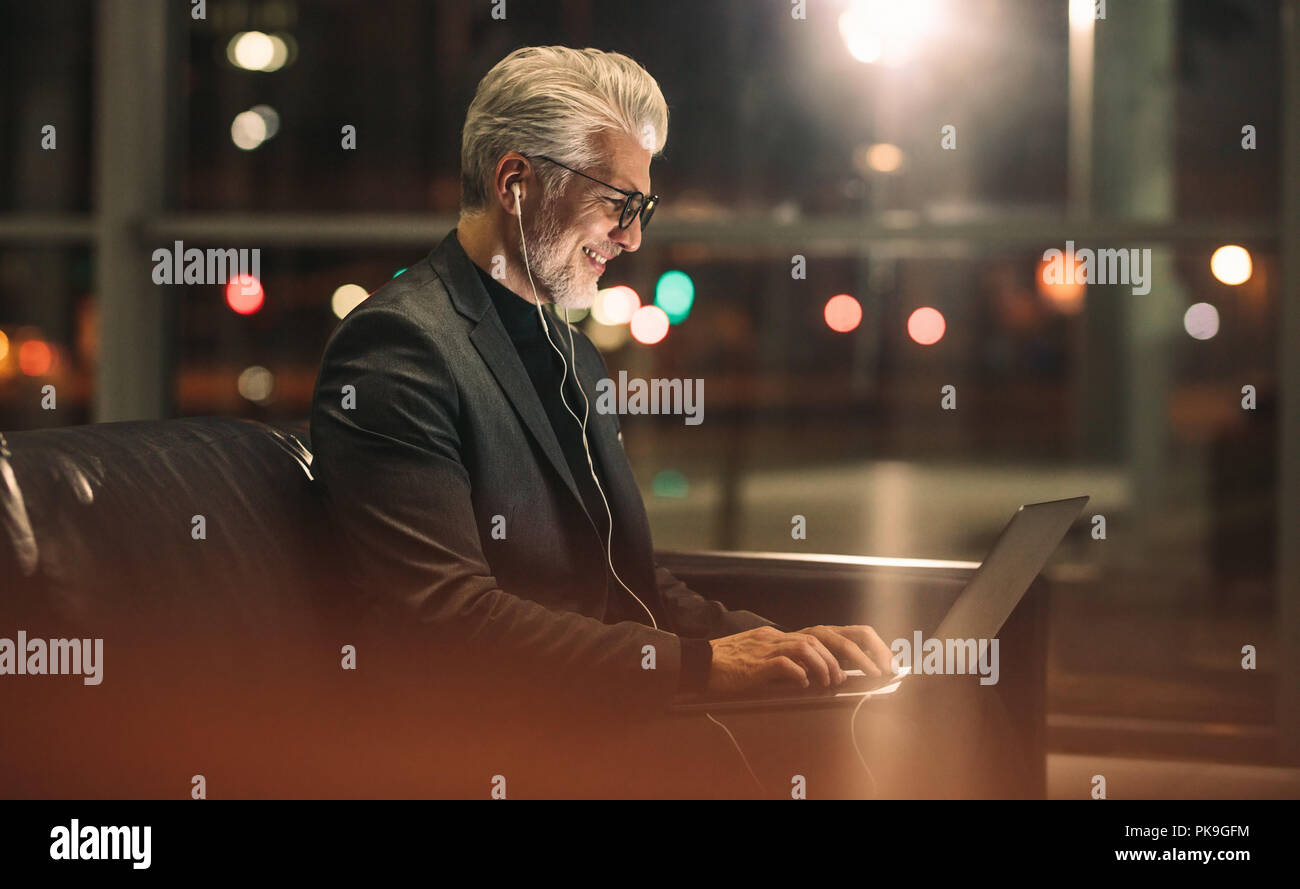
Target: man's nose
pixel 629 239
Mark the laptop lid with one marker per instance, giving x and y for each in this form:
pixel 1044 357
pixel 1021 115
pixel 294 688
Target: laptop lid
pixel 1019 553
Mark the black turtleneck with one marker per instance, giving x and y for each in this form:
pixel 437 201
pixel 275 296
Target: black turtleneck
pixel 524 327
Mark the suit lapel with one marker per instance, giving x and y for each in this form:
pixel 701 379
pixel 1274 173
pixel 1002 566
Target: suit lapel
pixel 489 337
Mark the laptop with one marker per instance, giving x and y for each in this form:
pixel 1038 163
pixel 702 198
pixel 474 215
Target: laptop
pixel 980 610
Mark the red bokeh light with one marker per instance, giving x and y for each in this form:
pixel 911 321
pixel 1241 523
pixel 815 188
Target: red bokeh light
pixel 244 294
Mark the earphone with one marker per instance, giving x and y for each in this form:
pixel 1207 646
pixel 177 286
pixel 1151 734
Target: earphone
pixel 591 467
pixel 586 405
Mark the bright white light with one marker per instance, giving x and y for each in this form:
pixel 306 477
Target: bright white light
pixel 252 50
pixel 248 130
pixel 1082 14
pixel 256 383
pixel 346 298
pixel 649 325
pixel 1231 264
pixel 615 305
pixel 862 44
pixel 887 31
pixel 1201 321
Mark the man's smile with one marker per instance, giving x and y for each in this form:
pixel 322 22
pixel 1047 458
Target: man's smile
pixel 597 260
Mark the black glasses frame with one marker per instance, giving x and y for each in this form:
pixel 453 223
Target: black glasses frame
pixel 637 203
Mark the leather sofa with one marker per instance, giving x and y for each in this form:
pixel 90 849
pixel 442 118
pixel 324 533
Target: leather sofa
pixel 197 549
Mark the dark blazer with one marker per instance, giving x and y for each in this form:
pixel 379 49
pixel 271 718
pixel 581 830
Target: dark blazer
pixel 443 432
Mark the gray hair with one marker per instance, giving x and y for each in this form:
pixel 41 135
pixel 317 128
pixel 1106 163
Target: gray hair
pixel 553 100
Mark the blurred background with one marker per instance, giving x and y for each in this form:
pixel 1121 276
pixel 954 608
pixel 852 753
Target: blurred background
pixel 816 144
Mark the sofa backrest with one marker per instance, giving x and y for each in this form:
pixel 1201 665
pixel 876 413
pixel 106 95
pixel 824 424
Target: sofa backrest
pixel 207 524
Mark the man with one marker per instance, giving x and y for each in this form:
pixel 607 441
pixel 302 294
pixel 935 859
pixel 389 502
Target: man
pixel 458 480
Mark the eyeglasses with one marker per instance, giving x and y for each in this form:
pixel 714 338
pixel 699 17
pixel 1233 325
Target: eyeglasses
pixel 636 203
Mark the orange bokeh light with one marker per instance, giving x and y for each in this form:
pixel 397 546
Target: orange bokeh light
pixel 926 326
pixel 843 313
pixel 1066 298
pixel 35 358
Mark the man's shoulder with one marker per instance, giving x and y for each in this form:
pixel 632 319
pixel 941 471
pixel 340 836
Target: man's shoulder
pixel 416 294
pixel 395 349
pixel 413 305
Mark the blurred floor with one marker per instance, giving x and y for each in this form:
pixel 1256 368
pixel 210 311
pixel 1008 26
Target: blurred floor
pixel 1070 777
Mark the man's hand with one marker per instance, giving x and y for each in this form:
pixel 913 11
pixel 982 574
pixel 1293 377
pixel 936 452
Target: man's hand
pixel 763 656
pixel 857 646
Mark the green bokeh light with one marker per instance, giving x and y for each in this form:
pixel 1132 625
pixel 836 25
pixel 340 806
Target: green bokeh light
pixel 675 293
pixel 669 483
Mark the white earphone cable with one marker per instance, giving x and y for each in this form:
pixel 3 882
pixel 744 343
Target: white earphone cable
pixel 609 534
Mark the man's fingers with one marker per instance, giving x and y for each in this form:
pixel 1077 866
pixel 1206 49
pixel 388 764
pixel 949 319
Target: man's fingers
pixel 782 667
pixel 847 649
pixel 873 645
pixel 808 650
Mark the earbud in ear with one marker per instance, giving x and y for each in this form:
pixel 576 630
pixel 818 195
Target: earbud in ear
pixel 515 189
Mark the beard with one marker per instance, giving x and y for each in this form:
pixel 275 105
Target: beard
pixel 554 267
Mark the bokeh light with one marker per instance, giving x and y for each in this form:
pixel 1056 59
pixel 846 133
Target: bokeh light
pixel 248 130
pixel 251 50
pixel 280 53
pixel 842 313
pixel 244 294
pixel 884 158
pixel 1066 298
pixel 35 358
pixel 615 305
pixel 649 325
pixel 926 326
pixel 887 31
pixel 270 117
pixel 675 294
pixel 1231 264
pixel 346 298
pixel 259 51
pixel 669 483
pixel 1201 321
pixel 256 384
